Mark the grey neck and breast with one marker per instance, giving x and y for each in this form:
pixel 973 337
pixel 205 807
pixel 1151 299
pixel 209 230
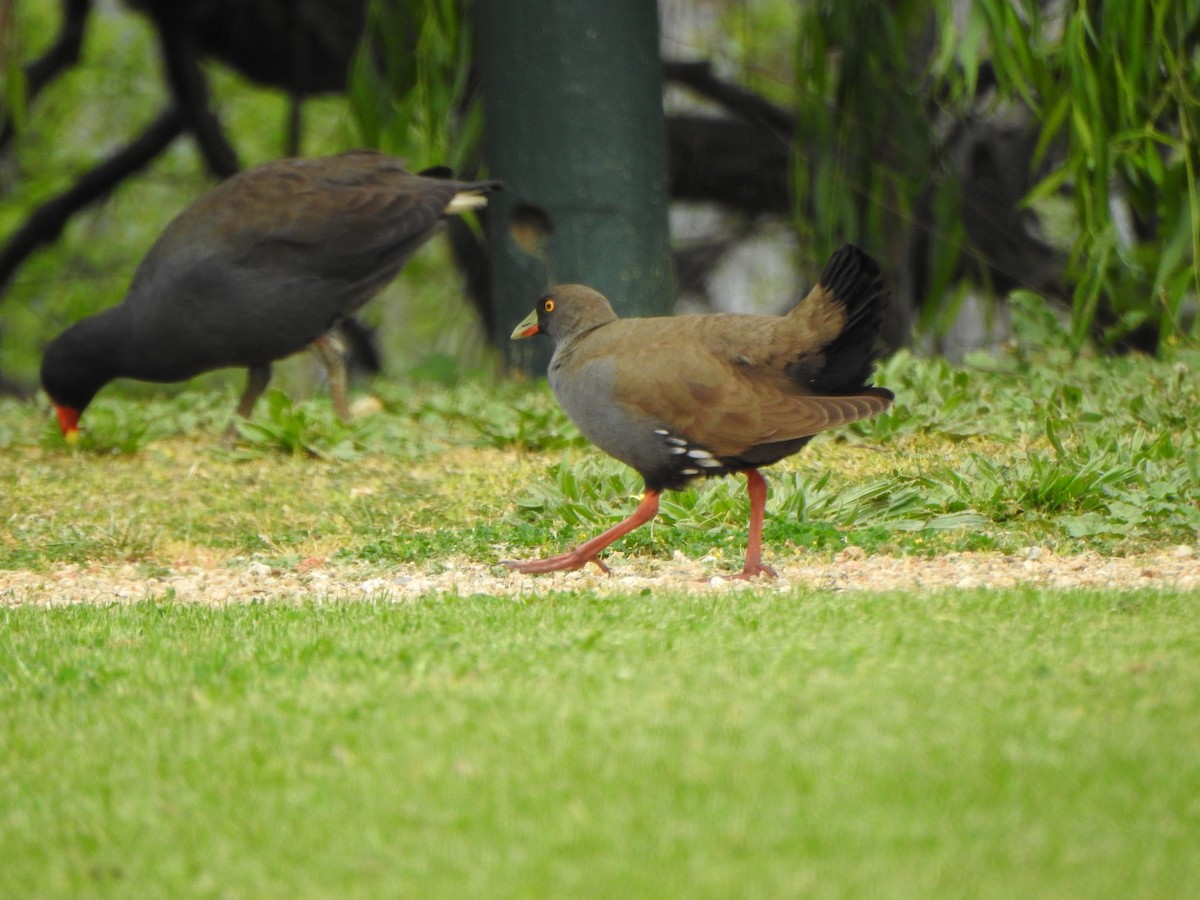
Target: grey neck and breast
pixel 586 395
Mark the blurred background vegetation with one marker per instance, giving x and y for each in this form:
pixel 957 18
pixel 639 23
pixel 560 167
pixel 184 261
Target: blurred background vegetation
pixel 983 150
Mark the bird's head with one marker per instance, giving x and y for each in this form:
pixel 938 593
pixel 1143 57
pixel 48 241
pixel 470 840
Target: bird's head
pixel 566 311
pixel 71 375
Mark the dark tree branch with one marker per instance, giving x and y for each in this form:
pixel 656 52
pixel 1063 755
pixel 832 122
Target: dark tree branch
pixel 295 40
pixel 46 222
pixel 65 50
pixel 63 54
pixel 727 161
pixel 295 125
pixel 742 160
pixel 190 90
pixel 738 101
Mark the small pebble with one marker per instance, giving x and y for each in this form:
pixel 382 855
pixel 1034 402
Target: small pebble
pixel 231 581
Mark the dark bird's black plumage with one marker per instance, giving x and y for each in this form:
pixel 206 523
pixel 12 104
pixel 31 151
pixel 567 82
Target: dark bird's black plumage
pixel 263 265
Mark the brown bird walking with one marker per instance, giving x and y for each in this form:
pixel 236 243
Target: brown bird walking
pixel 685 397
pixel 263 265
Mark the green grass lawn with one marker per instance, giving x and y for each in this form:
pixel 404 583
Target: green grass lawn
pixel 1009 744
pixel 1069 454
pixel 757 743
pixel 668 743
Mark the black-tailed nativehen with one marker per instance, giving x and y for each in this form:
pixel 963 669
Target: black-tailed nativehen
pixel 263 265
pixel 686 397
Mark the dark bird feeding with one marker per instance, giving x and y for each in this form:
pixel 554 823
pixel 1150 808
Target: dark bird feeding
pixel 688 397
pixel 263 265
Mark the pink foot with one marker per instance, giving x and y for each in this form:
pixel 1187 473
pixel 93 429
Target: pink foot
pixel 564 562
pixel 752 571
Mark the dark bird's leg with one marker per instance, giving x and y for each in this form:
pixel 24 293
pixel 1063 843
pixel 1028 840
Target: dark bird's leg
pixel 756 487
pixel 257 379
pixel 590 552
pixel 330 351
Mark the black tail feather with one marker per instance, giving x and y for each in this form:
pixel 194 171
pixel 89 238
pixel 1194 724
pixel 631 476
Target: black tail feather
pixel 854 279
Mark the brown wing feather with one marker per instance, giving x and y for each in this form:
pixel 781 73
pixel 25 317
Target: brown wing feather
pixel 722 386
pixel 358 208
pixel 734 417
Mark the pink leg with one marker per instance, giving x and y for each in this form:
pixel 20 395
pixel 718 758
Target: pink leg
pixel 257 379
pixel 329 349
pixel 756 487
pixel 590 552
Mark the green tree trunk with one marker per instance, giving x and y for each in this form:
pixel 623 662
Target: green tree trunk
pixel 573 123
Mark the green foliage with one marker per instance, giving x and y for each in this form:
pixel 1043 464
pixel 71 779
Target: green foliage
pixel 296 429
pixel 12 77
pixel 436 549
pixel 851 177
pixel 862 164
pixel 1121 90
pixel 409 84
pixel 1081 446
pixel 758 39
pixel 537 424
pixel 1038 446
pixel 1115 95
pixel 117 426
pixel 482 411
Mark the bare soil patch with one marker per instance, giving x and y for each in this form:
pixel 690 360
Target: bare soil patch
pixel 245 581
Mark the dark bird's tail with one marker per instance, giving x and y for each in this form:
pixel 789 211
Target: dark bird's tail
pixel 852 284
pixel 473 196
pixel 470 194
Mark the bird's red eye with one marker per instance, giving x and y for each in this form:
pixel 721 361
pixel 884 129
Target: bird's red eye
pixel 548 306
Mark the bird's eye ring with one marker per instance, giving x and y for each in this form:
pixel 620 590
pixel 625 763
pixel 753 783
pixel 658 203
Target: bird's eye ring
pixel 548 306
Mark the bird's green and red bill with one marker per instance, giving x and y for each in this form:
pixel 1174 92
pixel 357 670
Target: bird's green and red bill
pixel 528 327
pixel 68 421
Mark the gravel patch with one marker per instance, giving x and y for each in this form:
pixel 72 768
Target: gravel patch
pixel 248 581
